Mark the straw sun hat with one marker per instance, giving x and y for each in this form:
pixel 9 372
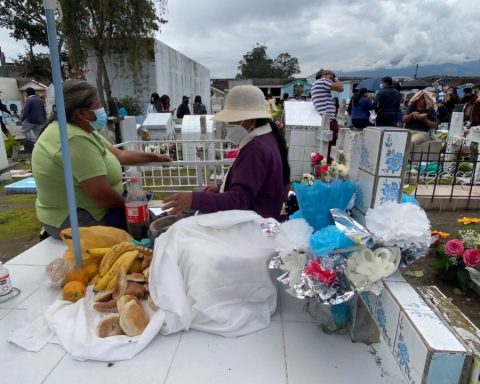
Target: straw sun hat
pixel 243 102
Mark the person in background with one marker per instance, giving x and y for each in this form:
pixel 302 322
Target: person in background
pixel 259 177
pixel 183 109
pixel 325 83
pixel 401 110
pixel 420 118
pixel 155 105
pixel 121 110
pixel 96 165
pixel 349 108
pixel 198 107
pixel 33 116
pixel 467 95
pixel 285 97
pixel 361 107
pixel 471 111
pixel 387 104
pixel 452 99
pixel 3 108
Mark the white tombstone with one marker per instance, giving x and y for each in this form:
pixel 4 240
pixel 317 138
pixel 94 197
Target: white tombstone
pixel 192 131
pixel 128 130
pixel 304 134
pixel 159 126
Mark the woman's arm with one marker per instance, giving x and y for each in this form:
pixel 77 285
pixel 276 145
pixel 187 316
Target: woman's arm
pixel 98 189
pixel 137 157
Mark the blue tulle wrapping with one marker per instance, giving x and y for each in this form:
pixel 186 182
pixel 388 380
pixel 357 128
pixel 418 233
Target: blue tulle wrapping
pixel 295 215
pixel 315 201
pixel 408 199
pixel 327 240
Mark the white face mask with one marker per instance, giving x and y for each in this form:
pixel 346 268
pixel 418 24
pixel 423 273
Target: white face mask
pixel 236 132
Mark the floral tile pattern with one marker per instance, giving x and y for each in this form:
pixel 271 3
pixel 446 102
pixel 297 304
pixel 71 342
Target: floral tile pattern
pixel 370 150
pixel 388 189
pixel 386 316
pixel 392 153
pixel 365 186
pixel 410 352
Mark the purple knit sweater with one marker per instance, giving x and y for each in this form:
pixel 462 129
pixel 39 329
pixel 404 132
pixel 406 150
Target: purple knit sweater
pixel 254 182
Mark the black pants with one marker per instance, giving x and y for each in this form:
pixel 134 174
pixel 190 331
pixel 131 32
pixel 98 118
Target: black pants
pixel 386 120
pixel 4 127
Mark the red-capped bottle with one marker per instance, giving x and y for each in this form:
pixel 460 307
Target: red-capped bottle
pixel 136 210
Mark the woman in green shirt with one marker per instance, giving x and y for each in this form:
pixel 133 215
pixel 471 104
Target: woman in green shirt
pixel 96 165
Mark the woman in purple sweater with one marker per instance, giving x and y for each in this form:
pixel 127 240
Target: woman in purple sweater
pixel 258 179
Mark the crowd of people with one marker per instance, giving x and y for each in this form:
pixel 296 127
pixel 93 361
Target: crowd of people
pixel 161 104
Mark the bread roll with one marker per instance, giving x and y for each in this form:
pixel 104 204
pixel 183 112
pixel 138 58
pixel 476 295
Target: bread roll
pixel 109 326
pixel 108 306
pixel 122 300
pixel 133 319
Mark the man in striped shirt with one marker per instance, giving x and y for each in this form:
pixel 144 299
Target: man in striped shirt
pixel 321 92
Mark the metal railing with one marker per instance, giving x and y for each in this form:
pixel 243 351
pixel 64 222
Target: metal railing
pixel 437 173
pixel 196 163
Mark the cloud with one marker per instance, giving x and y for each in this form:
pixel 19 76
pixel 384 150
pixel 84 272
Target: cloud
pixel 343 35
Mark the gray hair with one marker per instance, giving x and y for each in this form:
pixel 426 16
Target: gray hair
pixel 77 94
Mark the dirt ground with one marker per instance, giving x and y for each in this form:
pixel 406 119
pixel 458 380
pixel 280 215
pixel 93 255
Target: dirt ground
pixel 468 303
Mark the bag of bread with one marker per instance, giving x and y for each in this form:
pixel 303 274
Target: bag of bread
pixel 92 237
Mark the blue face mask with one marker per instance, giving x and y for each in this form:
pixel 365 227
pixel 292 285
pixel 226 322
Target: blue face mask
pixel 101 116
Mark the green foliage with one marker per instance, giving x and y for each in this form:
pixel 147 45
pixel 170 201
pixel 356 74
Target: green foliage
pixel 10 143
pixel 257 64
pixel 465 167
pixel 132 105
pixel 36 66
pixel 104 27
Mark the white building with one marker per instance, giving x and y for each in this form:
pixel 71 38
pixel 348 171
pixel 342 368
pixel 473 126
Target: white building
pixel 167 72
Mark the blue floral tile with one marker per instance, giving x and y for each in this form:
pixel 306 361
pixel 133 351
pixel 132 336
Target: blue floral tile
pixel 387 189
pixel 364 194
pixel 410 351
pixel 386 316
pixel 392 153
pixel 371 149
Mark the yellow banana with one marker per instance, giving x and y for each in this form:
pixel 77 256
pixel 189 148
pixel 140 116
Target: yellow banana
pixel 112 272
pixel 113 254
pixel 127 261
pixel 98 252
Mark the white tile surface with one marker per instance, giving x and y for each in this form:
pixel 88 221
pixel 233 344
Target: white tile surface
pixel 255 358
pixel 296 153
pixel 314 357
pixel 4 312
pixel 41 254
pixel 387 189
pixel 292 308
pixel 364 195
pixel 150 366
pixel 19 366
pixel 297 138
pixel 27 278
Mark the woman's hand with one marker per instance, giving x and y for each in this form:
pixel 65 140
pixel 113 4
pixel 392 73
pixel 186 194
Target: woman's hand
pixel 179 202
pixel 162 158
pixel 213 188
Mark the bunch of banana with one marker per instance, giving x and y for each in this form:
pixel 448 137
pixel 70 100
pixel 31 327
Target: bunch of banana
pixel 119 256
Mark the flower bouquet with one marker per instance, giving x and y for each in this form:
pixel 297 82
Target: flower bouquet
pixel 458 260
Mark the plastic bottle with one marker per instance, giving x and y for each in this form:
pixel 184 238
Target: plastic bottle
pixel 5 283
pixel 136 210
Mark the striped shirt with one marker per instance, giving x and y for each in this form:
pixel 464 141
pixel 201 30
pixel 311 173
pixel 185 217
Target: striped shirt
pixel 322 97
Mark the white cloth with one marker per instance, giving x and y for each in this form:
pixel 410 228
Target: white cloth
pixel 209 273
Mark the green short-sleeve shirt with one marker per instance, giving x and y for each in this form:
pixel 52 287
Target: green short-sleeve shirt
pixel 90 157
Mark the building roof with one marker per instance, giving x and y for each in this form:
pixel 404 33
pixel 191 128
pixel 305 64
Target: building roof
pixel 37 86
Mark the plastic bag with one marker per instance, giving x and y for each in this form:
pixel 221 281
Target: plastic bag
pixel 93 237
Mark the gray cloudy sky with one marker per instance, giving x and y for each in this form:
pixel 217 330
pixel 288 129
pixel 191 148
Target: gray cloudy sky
pixel 338 34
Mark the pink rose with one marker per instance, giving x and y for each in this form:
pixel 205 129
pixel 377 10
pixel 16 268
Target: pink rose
pixel 471 257
pixel 454 248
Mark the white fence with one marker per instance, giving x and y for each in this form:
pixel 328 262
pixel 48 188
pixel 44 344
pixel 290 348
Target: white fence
pixel 196 164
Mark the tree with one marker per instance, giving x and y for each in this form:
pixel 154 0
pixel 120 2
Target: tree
pixel 257 64
pixel 26 19
pixel 286 66
pixel 104 26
